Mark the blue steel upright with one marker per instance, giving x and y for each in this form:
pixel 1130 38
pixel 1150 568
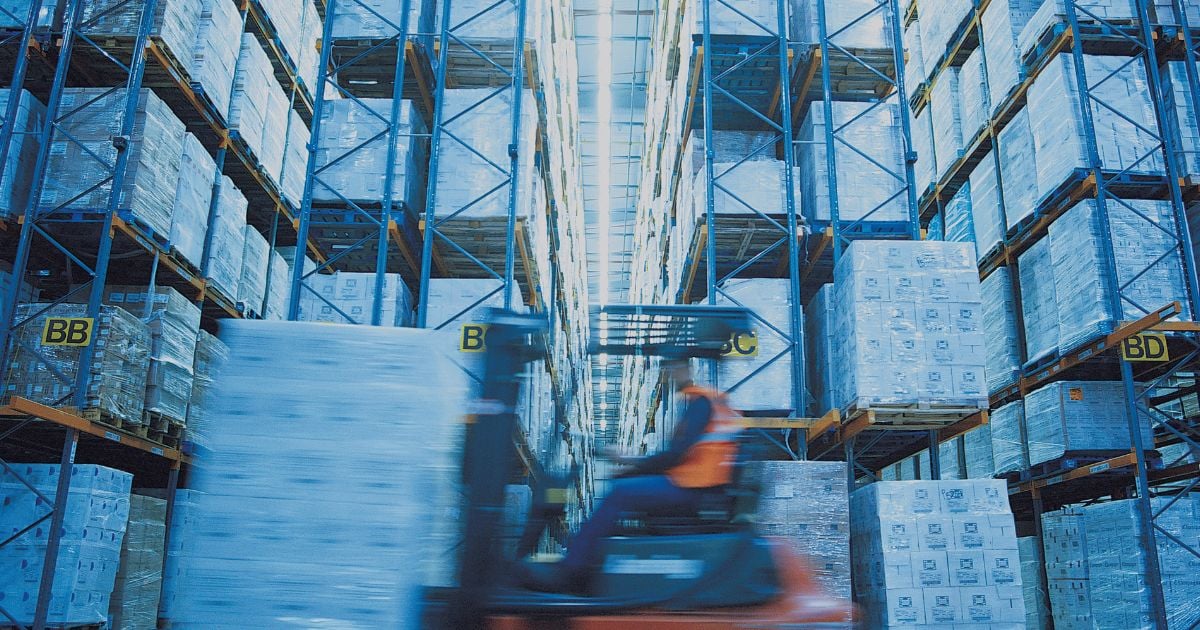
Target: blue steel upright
pixel 1140 409
pixel 508 74
pixel 375 235
pixel 35 227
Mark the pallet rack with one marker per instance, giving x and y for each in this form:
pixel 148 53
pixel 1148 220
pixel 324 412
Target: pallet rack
pixel 70 253
pixel 1139 473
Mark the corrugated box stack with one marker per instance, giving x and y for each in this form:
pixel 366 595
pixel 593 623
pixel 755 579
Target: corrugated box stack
pixel 907 326
pixel 134 603
pixel 375 529
pixel 120 363
pixel 193 196
pixel 174 323
pixel 17 176
pixel 1037 602
pixel 348 298
pixel 228 239
pixel 361 20
pixel 154 153
pixel 806 504
pixel 1095 566
pixel 215 51
pixel 97 510
pixel 252 284
pixel 936 552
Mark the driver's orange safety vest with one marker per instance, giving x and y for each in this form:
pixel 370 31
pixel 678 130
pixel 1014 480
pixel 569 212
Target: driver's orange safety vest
pixel 710 461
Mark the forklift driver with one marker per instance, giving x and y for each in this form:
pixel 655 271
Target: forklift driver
pixel 699 460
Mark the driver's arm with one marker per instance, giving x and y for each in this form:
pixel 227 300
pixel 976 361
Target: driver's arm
pixel 691 427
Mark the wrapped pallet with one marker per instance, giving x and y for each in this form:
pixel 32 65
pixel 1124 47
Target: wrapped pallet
pixel 1001 25
pixel 946 117
pixel 819 343
pixel 977 453
pixel 1126 128
pixel 275 132
pixel 94 525
pixel 295 161
pixel 973 97
pixel 352 153
pixel 228 239
pixel 950 464
pixel 728 147
pixel 1149 268
pixel 936 553
pixel 116 387
pixel 297 24
pixel 1018 169
pixel 211 354
pixel 1078 416
pixel 252 286
pixel 939 22
pixel 1054 13
pixel 907 326
pixel 806 504
pixel 1097 577
pixel 1000 329
pixel 1007 427
pixel 1039 305
pixel 134 603
pixel 473 181
pixel 960 227
pixel 279 287
pixel 175 23
pixel 1037 604
pixel 852 24
pixel 914 66
pixel 215 51
pixel 987 215
pixel 925 168
pixel 374 526
pixel 154 152
pixel 1177 92
pixel 746 189
pixel 868 154
pixel 251 97
pixel 174 323
pixel 16 14
pixel 757 372
pixel 17 176
pixel 362 19
pixel 349 297
pixel 193 196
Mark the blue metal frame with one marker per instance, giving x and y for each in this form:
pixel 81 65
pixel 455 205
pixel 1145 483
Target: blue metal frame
pixel 449 37
pixel 377 222
pixel 844 233
pixel 1138 406
pixel 771 42
pixel 75 29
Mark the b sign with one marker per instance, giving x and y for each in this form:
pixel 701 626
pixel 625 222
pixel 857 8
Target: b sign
pixel 473 338
pixel 1145 347
pixel 67 331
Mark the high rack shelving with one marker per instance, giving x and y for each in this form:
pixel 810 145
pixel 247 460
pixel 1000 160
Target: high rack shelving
pixel 69 254
pixel 1155 394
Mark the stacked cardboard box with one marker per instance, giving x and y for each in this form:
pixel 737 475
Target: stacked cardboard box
pixel 94 522
pixel 352 153
pixel 258 109
pixel 215 51
pixel 120 362
pixel 265 537
pixel 211 354
pixel 228 239
pixel 1074 416
pixel 174 323
pixel 1096 572
pixel 959 224
pixel 134 603
pixel 252 282
pixel 298 27
pixel 757 374
pixel 1000 329
pixel 361 19
pixel 1037 602
pixel 806 504
pixel 907 326
pixel 17 175
pixel 851 24
pixel 974 105
pixel 348 298
pixel 935 552
pixel 76 166
pixel 175 23
pixel 193 196
pixel 868 155
pixel 1007 427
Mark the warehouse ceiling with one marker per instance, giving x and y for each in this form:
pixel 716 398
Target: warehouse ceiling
pixel 613 44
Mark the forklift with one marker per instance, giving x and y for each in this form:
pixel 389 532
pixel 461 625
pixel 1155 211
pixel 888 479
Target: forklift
pixel 707 571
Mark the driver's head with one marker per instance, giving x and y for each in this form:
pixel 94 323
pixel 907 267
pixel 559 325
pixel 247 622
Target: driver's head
pixel 679 370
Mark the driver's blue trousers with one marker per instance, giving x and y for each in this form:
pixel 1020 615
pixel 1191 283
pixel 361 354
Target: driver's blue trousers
pixel 652 495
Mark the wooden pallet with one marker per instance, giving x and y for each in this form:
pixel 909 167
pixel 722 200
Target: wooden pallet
pixel 911 417
pixel 103 416
pixel 164 424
